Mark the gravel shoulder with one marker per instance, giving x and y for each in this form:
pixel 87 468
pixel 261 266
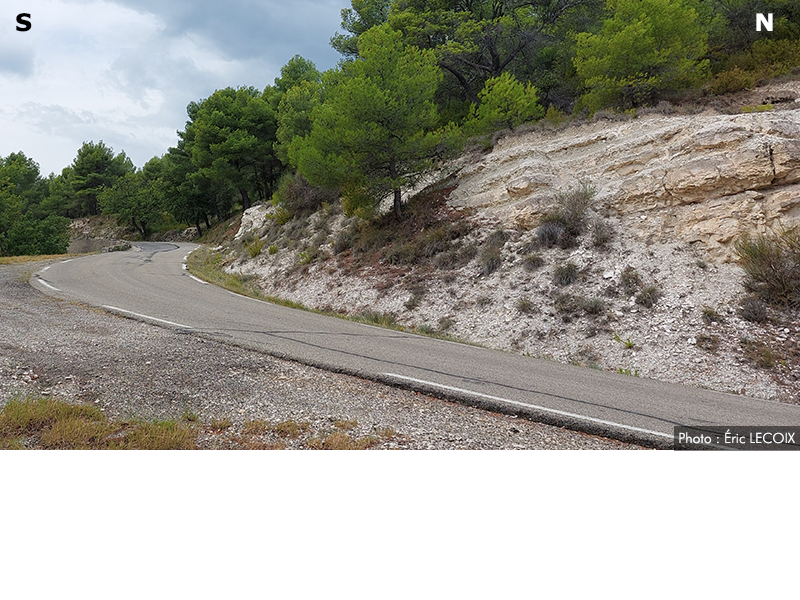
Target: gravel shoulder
pixel 135 370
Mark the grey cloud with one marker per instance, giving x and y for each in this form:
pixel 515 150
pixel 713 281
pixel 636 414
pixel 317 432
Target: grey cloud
pixel 244 29
pixel 16 60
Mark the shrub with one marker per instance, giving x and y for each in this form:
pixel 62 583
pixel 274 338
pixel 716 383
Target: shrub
pixel 220 425
pixel 772 266
pixel 497 239
pixel 708 342
pixel 565 274
pixel 630 280
pixel 299 197
pixel 254 247
pixel 567 306
pixel 343 241
pixel 505 102
pixel 255 427
pixel 554 116
pixel 648 296
pixel 758 108
pixel 376 318
pixel 733 80
pixel 446 323
pixel 417 294
pixel 759 353
pixel 491 259
pixel 711 316
pixel 525 306
pixel 290 429
pixel 566 222
pixel 602 233
pixel 532 262
pixel 483 301
pixel 549 233
pixel 594 306
pixel 753 309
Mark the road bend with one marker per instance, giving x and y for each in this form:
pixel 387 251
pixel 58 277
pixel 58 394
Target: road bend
pixel 149 283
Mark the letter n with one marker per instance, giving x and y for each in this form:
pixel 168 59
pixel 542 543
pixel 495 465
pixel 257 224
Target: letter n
pixel 762 21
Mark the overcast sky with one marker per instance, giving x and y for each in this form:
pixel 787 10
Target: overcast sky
pixel 123 71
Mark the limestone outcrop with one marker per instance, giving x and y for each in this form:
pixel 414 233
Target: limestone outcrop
pixel 703 179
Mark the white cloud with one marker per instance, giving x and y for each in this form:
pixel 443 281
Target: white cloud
pixel 124 70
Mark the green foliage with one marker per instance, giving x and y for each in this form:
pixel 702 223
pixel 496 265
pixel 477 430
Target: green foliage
pixel 772 266
pixel 294 118
pixel 24 231
pixel 296 72
pixel 733 80
pixel 254 248
pixel 364 15
pixel 758 108
pixel 94 170
pixel 483 39
pixel 504 102
pixel 230 139
pixel 753 309
pixel 31 237
pixel 136 198
pixel 376 131
pixel 646 48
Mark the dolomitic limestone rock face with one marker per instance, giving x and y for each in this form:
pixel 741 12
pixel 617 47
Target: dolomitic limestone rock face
pixel 702 178
pixel 253 219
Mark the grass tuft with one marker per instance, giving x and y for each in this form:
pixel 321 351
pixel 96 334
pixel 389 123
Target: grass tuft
pixel 290 429
pixel 50 423
pixel 565 274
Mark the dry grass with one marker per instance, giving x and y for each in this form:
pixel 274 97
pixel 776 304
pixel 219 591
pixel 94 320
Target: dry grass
pixel 290 429
pixel 18 260
pixel 256 427
pixel 345 425
pixel 49 423
pixel 220 425
pixel 339 440
pixel 759 353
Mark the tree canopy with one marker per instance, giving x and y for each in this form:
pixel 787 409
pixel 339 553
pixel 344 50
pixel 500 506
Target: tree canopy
pixel 377 131
pixel 646 47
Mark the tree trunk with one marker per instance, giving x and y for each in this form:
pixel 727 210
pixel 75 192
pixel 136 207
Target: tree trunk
pixel 245 198
pixel 471 95
pixel 398 207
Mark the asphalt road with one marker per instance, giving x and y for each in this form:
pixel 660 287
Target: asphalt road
pixel 151 284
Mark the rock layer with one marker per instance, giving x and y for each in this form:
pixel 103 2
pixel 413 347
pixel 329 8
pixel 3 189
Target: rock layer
pixel 702 178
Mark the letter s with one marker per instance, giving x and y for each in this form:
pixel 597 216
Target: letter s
pixel 24 23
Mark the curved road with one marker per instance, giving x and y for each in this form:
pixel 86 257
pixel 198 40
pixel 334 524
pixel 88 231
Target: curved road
pixel 150 283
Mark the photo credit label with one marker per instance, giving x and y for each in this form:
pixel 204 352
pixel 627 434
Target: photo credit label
pixel 737 438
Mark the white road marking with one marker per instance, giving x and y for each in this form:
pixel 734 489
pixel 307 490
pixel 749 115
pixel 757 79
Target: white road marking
pixel 63 262
pixel 128 312
pixel 525 404
pixel 45 269
pixel 44 283
pixel 200 280
pixel 251 298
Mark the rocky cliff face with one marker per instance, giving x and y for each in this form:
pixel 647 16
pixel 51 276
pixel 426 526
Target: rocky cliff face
pixel 675 190
pixel 701 179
